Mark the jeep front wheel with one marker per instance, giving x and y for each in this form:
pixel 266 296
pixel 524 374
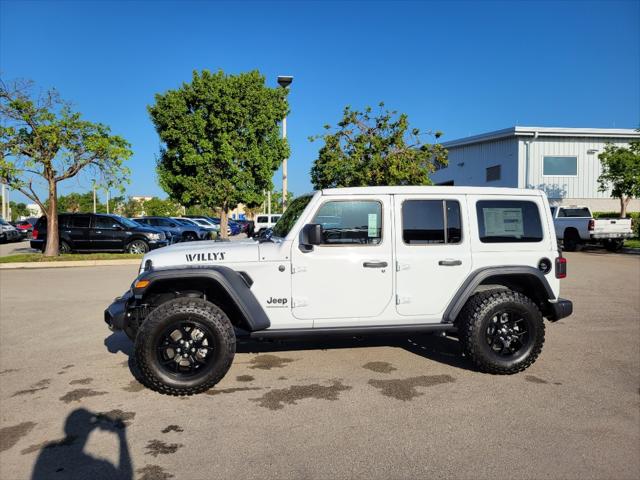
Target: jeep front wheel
pixel 501 331
pixel 185 346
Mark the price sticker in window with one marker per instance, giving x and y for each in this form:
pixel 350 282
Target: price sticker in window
pixel 373 225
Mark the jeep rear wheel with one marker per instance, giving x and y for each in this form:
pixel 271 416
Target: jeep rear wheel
pixel 501 331
pixel 185 346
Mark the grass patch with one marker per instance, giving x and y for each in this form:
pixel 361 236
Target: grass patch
pixel 632 243
pixel 73 257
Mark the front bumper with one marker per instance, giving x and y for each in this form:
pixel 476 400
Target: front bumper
pixel 153 244
pixel 560 309
pixel 115 316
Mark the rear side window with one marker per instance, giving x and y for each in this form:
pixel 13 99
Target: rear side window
pixel 79 221
pixel 275 218
pixel 350 222
pixel 431 222
pixel 508 221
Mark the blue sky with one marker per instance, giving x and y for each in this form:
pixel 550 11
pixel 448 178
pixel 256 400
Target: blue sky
pixel 459 67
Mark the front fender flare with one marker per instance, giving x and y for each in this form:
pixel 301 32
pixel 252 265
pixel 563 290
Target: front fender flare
pixel 236 286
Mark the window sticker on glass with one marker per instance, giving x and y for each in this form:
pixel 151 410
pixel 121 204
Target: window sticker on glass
pixel 373 225
pixel 500 222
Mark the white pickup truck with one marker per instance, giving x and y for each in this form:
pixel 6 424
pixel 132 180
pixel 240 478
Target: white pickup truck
pixel 575 225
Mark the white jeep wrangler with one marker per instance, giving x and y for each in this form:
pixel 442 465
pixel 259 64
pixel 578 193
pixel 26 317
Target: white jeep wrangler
pixel 481 264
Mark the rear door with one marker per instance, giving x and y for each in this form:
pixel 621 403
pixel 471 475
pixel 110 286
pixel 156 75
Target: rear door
pixel 433 252
pixel 77 229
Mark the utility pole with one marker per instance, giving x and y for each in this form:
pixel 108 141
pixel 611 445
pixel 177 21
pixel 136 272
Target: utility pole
pixel 269 204
pixel 284 81
pixel 108 200
pixel 4 201
pixel 94 196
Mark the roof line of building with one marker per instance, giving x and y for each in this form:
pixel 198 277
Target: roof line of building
pixel 521 131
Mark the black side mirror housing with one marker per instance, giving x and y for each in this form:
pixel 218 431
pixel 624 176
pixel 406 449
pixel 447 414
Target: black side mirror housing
pixel 310 235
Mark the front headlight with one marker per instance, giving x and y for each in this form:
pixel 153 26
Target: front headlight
pixel 153 236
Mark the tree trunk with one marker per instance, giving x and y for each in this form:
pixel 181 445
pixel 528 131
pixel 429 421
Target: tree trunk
pixel 624 203
pixel 224 221
pixel 53 239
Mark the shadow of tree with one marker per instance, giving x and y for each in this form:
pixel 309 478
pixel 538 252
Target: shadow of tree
pixel 66 458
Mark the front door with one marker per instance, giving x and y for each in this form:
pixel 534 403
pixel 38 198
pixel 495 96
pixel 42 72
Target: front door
pixel 107 233
pixel 433 252
pixel 350 275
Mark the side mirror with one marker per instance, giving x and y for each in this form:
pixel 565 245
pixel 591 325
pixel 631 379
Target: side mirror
pixel 117 226
pixel 173 225
pixel 310 235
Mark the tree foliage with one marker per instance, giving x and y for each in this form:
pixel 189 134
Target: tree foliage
pixel 18 209
pixel 621 173
pixel 157 207
pixel 370 148
pixel 221 140
pixel 43 139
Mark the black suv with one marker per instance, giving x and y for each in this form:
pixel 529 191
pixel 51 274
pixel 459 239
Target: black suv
pixel 98 232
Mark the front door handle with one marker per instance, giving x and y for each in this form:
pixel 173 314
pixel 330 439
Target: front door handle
pixel 450 263
pixel 374 264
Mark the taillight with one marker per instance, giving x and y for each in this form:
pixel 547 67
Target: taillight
pixel 561 267
pixel 592 224
pixel 34 235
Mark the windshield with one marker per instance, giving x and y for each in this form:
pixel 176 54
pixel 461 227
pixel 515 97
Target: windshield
pixel 125 221
pixel 3 222
pixel 291 216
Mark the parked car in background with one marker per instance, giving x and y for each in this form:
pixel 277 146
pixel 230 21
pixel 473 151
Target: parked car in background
pixel 247 226
pixel 264 221
pixel 179 231
pixel 99 232
pixel 8 233
pixel 576 226
pixel 193 229
pixel 212 230
pixel 25 228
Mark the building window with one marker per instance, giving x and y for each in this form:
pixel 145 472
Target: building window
pixel 493 173
pixel 431 221
pixel 508 221
pixel 560 166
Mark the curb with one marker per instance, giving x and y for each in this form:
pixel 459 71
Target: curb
pixel 71 263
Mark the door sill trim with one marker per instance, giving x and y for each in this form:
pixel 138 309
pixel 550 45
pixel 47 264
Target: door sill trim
pixel 351 331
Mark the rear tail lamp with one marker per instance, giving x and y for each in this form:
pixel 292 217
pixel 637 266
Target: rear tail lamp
pixel 34 234
pixel 561 267
pixel 592 224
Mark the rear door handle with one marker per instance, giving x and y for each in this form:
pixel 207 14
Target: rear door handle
pixel 450 263
pixel 374 264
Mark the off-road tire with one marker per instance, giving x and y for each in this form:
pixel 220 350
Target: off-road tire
pixel 211 316
pixel 473 322
pixel 137 246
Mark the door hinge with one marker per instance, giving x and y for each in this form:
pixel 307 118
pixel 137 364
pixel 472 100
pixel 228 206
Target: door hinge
pixel 401 266
pixel 298 269
pixel 400 299
pixel 298 302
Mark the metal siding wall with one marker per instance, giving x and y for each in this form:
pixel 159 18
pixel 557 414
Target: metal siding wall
pixel 585 184
pixel 476 158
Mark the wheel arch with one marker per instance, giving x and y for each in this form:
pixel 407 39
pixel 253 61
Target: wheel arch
pixel 523 279
pixel 569 231
pixel 222 286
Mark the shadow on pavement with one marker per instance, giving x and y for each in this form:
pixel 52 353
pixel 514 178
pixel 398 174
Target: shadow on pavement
pixel 429 346
pixel 66 458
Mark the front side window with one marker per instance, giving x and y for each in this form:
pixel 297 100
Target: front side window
pixel 427 222
pixel 350 222
pixel 262 219
pixel 105 222
pixel 508 221
pixel 560 166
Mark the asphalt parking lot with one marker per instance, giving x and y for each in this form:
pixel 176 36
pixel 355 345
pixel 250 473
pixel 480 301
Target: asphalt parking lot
pixel 406 407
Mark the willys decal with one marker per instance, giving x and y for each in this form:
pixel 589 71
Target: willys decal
pixel 205 257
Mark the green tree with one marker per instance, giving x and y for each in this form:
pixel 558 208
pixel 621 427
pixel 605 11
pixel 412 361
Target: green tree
pixel 78 203
pixel 370 149
pixel 131 208
pixel 18 210
pixel 42 138
pixel 157 207
pixel 221 140
pixel 621 173
pixel 276 200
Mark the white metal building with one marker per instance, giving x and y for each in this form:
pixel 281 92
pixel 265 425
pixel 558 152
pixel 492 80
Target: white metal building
pixel 563 162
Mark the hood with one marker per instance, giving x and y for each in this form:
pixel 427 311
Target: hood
pixel 203 253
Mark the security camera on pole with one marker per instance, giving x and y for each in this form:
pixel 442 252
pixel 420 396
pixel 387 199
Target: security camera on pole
pixel 284 81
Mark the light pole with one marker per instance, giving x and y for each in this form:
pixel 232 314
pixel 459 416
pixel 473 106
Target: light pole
pixel 284 81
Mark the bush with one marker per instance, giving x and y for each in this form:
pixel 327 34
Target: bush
pixel 634 216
